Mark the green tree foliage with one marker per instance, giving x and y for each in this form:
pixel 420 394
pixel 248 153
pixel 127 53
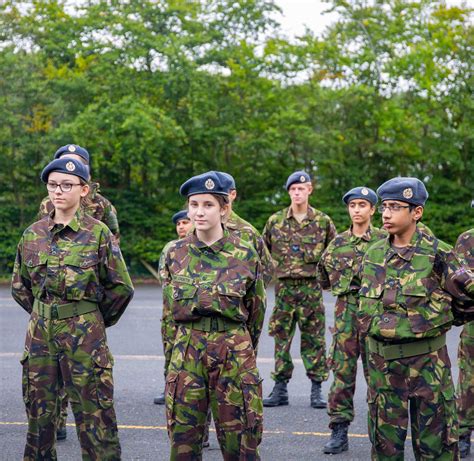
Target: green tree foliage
pixel 160 90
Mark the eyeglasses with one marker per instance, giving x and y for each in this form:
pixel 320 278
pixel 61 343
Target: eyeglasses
pixel 392 208
pixel 65 186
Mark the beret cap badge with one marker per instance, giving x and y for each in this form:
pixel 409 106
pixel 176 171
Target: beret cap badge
pixel 408 192
pixel 364 191
pixel 302 178
pixel 71 148
pixel 70 166
pixel 209 184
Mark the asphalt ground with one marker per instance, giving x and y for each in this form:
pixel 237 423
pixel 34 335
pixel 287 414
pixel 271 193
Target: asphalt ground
pixel 294 432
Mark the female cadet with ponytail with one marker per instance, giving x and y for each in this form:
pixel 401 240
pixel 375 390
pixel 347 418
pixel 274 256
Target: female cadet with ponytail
pixel 69 275
pixel 214 288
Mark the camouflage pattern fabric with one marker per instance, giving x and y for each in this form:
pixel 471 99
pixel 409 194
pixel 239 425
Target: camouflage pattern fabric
pixel 419 388
pixel 296 249
pixel 406 295
pixel 299 303
pixel 340 264
pixel 465 250
pixel 59 264
pixel 99 208
pixel 247 232
pixel 216 368
pixel 223 279
pixel 168 326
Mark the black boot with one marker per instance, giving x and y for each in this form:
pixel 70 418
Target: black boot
pixel 160 400
pixel 338 442
pixel 465 445
pixel 61 434
pixel 279 396
pixel 317 400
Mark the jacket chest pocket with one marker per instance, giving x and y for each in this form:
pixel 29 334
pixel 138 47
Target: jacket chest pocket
pixel 230 295
pixel 312 249
pixel 37 268
pixel 80 271
pixel 183 299
pixel 425 311
pixel 370 305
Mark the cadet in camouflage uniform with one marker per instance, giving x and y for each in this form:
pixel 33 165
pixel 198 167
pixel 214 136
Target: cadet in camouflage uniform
pixel 247 232
pixel 215 289
pixel 409 283
pixel 69 275
pixel 168 328
pixel 296 237
pixel 465 250
pixel 97 206
pixel 340 263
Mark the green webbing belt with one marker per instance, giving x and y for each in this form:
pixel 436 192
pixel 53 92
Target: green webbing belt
pixel 399 351
pixel 212 324
pixel 63 311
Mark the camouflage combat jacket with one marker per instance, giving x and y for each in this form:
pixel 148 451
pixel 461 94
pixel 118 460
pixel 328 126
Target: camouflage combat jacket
pixel 341 261
pixel 223 279
pixel 296 248
pixel 406 293
pixel 247 232
pixel 80 261
pixel 465 248
pixel 99 208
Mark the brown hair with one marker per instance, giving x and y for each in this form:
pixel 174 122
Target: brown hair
pixel 86 201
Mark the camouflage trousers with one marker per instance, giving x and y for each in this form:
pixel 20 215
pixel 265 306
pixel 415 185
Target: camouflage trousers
pixel 299 302
pixel 466 380
pixel 70 353
pixel 347 346
pixel 419 388
pixel 168 333
pixel 62 408
pixel 217 369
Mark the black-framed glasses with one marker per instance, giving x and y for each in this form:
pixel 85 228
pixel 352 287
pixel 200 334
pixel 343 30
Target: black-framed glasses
pixel 392 208
pixel 65 186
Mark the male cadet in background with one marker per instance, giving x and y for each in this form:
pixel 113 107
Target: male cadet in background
pixel 340 263
pixel 168 328
pixel 411 285
pixel 247 232
pixel 99 208
pixel 465 250
pixel 296 237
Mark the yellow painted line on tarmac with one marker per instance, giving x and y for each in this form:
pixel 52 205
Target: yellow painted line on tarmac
pixel 163 428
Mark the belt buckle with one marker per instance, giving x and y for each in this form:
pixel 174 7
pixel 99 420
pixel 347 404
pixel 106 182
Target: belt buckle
pixel 54 311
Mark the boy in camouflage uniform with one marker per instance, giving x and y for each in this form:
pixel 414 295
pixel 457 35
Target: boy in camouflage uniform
pixel 168 328
pixel 296 237
pixel 409 283
pixel 214 286
pixel 69 275
pixel 97 206
pixel 465 250
pixel 340 263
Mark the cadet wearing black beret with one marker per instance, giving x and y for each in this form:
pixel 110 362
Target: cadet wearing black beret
pixel 180 215
pixel 212 182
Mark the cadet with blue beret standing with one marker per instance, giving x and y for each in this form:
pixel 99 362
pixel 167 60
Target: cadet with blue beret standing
pixel 296 238
pixel 412 284
pixel 69 275
pixel 97 205
pixel 340 263
pixel 464 248
pixel 168 328
pixel 214 285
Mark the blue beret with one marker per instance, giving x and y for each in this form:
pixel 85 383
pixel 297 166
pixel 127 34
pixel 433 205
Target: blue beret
pixel 408 190
pixel 230 178
pixel 212 182
pixel 68 166
pixel 183 214
pixel 298 177
pixel 364 193
pixel 72 149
